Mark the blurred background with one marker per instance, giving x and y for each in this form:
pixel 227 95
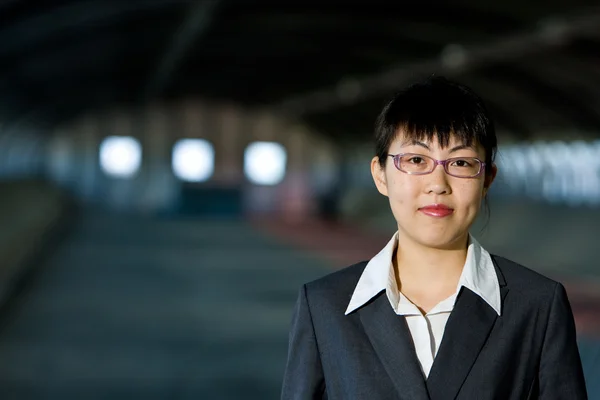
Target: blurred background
pixel 171 172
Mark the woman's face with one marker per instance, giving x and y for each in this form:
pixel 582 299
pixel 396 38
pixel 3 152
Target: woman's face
pixel 435 210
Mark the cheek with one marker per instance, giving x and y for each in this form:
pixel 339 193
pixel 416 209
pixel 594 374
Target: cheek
pixel 402 189
pixel 470 195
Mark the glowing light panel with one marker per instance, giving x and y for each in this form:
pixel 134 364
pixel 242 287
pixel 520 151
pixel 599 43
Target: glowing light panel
pixel 193 160
pixel 120 156
pixel 265 163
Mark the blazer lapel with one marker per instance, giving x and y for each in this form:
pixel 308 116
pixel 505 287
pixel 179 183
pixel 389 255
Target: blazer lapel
pixel 466 332
pixel 390 337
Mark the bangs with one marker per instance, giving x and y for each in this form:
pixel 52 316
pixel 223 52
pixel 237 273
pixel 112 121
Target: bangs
pixel 444 134
pixel 442 113
pixel 436 109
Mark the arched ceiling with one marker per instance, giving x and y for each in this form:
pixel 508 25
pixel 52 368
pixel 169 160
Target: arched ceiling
pixel 331 63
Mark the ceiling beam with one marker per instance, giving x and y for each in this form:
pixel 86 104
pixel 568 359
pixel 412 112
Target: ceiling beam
pixel 27 32
pixel 40 106
pixel 550 94
pixel 68 61
pixel 7 3
pixel 516 105
pixel 195 24
pixel 584 75
pixel 454 60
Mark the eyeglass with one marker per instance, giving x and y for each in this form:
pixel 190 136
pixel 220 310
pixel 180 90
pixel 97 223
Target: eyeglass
pixel 419 164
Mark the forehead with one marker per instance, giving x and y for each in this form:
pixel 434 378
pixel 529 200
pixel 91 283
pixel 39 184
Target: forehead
pixel 434 140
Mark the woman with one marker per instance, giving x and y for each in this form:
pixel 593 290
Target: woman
pixel 434 315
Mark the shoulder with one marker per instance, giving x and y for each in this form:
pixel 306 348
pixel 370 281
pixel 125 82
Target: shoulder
pixel 340 280
pixel 336 287
pixel 523 279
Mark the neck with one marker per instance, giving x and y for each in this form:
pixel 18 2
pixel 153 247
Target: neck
pixel 417 265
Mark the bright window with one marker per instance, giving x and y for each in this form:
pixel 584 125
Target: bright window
pixel 193 160
pixel 120 156
pixel 265 163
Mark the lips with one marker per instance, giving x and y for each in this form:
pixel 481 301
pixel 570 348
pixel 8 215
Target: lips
pixel 437 210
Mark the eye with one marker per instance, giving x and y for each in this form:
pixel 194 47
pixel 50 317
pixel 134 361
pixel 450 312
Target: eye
pixel 463 162
pixel 416 160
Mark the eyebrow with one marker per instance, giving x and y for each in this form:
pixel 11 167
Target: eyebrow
pixel 452 150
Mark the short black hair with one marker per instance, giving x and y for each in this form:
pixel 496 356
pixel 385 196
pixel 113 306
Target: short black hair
pixel 436 107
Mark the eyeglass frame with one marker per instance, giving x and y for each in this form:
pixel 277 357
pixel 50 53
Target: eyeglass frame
pixel 443 163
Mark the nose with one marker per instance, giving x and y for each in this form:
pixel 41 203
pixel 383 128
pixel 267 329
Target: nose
pixel 437 181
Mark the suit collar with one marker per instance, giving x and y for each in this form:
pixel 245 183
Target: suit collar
pixel 480 276
pixel 378 275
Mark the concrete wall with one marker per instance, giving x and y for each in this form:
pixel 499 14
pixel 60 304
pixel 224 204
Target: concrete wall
pixel 72 157
pixel 22 150
pixel 29 211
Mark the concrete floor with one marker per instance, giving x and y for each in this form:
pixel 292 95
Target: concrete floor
pixel 154 309
pixel 129 308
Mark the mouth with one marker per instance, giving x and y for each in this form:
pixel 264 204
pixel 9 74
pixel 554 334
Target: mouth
pixel 437 210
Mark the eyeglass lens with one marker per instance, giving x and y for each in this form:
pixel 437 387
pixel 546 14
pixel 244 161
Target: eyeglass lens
pixel 421 164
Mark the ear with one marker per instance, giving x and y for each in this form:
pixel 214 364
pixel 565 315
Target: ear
pixel 490 178
pixel 379 176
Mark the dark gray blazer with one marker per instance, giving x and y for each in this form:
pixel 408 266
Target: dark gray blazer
pixel 529 352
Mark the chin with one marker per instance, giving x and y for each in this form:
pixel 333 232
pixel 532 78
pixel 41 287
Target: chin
pixel 439 240
pixel 435 243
